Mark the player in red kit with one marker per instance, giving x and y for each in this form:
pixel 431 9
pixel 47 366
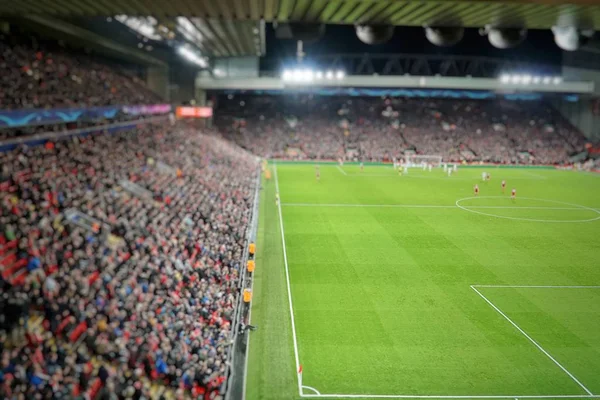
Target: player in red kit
pixel 476 190
pixel 513 194
pixel 503 186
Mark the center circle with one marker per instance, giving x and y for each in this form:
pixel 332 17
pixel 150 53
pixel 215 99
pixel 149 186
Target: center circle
pixel 466 208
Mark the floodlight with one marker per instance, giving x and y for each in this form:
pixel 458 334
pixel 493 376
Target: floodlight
pixel 307 75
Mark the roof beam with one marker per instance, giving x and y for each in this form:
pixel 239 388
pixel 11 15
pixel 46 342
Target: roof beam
pixel 95 40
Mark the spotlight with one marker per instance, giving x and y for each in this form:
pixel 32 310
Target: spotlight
pixel 504 38
pixel 526 79
pixel 505 78
pixel 571 38
pixel 340 75
pixel 319 75
pixel 287 75
pixel 329 75
pixel 557 80
pixel 516 79
pixel 298 75
pixel 547 80
pixel 374 34
pixel 536 80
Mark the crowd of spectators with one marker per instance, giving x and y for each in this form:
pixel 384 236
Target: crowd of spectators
pixel 376 129
pixel 119 257
pixel 43 74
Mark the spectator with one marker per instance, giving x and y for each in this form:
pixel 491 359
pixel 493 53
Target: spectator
pixel 138 282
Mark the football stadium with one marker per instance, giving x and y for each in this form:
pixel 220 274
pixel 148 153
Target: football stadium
pixel 289 199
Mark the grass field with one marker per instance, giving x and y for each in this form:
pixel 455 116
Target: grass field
pixel 408 286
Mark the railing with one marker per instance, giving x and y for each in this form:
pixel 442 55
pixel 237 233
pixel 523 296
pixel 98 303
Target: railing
pixel 44 136
pixel 234 387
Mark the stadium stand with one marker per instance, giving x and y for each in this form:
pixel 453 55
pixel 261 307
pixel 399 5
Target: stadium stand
pixel 374 129
pixel 42 74
pixel 119 256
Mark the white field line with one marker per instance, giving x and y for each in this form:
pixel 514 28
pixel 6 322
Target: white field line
pixel 287 279
pixel 596 174
pixel 341 170
pixel 408 396
pixel 534 343
pixel 313 389
pixel 365 205
pixel 430 206
pixel 538 286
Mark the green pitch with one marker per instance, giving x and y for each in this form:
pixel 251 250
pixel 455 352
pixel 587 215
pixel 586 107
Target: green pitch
pixel 409 286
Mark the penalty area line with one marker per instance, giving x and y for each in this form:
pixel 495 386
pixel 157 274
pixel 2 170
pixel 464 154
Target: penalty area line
pixel 341 170
pixel 533 341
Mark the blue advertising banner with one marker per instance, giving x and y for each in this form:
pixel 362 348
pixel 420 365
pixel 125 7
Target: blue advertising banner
pixel 16 118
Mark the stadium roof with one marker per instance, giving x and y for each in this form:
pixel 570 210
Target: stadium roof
pixel 530 13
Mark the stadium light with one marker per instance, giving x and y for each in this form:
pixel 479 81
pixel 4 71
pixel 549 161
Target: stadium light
pixel 307 75
pixel 527 79
pixel 192 56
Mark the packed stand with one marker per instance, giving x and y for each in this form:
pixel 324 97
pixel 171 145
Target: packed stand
pixel 376 129
pixel 42 74
pixel 120 257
